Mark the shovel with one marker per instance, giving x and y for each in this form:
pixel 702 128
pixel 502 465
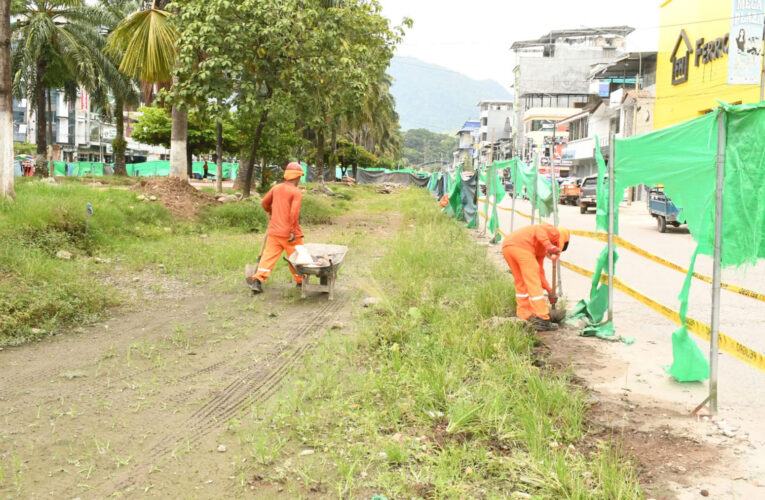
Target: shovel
pixel 556 315
pixel 250 270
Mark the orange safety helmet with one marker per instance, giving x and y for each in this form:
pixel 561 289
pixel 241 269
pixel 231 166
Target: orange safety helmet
pixel 564 238
pixel 293 171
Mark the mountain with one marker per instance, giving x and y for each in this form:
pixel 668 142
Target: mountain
pixel 436 98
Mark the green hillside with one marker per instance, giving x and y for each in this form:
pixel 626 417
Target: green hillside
pixel 436 98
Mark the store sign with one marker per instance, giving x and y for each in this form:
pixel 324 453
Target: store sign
pixel 681 59
pixel 704 52
pixel 745 56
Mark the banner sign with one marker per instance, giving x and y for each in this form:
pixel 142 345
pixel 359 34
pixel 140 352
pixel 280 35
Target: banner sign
pixel 745 51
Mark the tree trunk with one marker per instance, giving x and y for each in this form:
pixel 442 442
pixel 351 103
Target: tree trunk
pixel 333 158
pixel 6 104
pixel 189 161
pixel 178 140
pixel 320 154
pixel 249 161
pixel 51 137
pixel 119 144
pixel 219 157
pixel 41 167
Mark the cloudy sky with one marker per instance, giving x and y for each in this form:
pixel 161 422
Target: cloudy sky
pixel 474 36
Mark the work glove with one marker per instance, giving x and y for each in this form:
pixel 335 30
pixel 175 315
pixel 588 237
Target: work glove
pixel 553 250
pixel 553 300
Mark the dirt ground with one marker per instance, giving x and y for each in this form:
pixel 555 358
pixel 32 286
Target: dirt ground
pixel 140 405
pixel 679 456
pixel 177 195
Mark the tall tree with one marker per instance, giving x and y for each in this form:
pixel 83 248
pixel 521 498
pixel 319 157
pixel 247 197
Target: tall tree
pixel 375 125
pixel 121 86
pixel 351 45
pixel 245 50
pixel 146 44
pixel 53 41
pixel 6 103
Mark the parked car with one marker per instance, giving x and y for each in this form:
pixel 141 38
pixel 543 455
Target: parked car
pixel 569 191
pixel 662 209
pixel 588 193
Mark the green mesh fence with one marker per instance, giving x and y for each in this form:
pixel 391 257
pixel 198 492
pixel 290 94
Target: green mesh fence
pixel 683 158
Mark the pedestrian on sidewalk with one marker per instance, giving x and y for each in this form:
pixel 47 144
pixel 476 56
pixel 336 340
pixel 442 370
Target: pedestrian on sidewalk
pixel 525 251
pixel 282 203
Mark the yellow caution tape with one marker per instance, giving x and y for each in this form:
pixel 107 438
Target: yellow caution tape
pixel 702 330
pixel 618 240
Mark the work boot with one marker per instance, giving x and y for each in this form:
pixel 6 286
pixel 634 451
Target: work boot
pixel 255 285
pixel 542 325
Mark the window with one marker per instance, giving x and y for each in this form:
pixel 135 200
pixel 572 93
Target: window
pixel 578 129
pixel 539 125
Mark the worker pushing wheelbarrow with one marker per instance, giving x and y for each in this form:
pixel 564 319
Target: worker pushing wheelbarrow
pixel 284 234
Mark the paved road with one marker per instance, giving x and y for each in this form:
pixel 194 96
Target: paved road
pixel 741 387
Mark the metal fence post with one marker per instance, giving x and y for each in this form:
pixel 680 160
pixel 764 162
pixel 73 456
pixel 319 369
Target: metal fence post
pixel 717 269
pixel 534 189
pixel 515 193
pixel 611 204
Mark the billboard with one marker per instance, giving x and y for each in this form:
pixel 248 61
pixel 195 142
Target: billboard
pixel 745 51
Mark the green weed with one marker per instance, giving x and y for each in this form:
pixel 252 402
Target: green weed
pixel 433 388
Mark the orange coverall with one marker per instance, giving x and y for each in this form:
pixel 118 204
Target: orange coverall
pixel 525 251
pixel 282 203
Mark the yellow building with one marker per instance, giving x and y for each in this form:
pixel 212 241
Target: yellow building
pixel 692 69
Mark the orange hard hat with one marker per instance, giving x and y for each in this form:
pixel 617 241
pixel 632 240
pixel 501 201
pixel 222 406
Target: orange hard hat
pixel 565 237
pixel 293 171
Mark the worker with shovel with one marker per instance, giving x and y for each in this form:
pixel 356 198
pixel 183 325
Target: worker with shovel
pixel 525 251
pixel 282 203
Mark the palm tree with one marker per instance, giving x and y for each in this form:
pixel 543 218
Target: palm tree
pixel 6 103
pixel 122 87
pixel 146 43
pixel 375 126
pixel 53 41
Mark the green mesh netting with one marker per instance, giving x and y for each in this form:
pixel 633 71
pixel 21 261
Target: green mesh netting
pixel 522 176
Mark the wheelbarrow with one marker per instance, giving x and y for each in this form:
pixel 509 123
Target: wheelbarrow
pixel 327 261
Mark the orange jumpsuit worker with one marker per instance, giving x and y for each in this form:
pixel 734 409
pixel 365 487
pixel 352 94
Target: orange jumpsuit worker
pixel 525 251
pixel 282 203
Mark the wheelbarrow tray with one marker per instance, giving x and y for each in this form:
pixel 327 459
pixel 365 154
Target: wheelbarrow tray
pixel 327 274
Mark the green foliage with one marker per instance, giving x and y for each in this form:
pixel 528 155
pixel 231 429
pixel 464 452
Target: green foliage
pixel 24 148
pixel 386 163
pixel 154 126
pixel 421 145
pixel 246 216
pixel 349 154
pixel 146 45
pixel 319 209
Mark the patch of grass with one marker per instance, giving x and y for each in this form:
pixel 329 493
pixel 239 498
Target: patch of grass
pixel 42 293
pixel 318 209
pixel 243 216
pixel 431 400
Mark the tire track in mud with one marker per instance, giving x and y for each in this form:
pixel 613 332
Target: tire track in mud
pixel 257 384
pixel 12 384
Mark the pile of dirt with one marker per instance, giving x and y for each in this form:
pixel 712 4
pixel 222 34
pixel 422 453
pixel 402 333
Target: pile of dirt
pixel 177 195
